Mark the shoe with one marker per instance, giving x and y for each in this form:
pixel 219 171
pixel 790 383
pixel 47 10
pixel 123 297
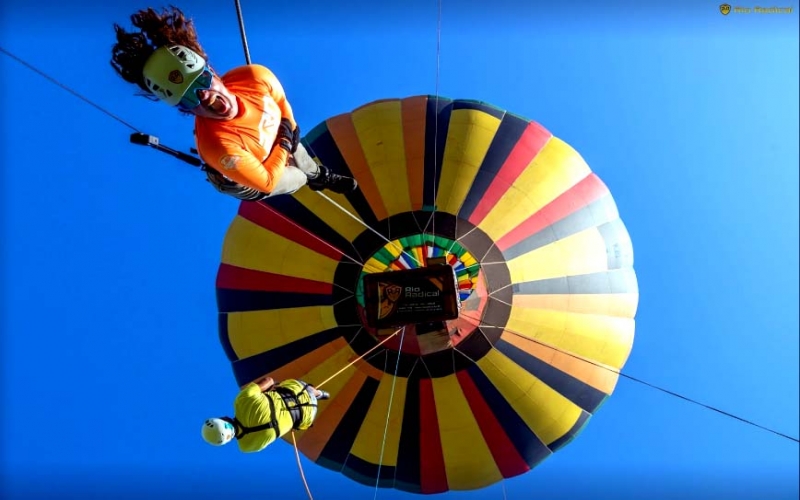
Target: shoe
pixel 334 182
pixel 324 395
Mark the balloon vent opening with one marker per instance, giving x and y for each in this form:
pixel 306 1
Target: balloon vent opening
pixel 425 295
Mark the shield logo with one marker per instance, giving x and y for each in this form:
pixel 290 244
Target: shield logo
pixel 229 161
pixel 388 299
pixel 393 292
pixel 175 77
pixel 725 9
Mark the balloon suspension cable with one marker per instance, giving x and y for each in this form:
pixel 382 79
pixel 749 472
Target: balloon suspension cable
pixel 241 30
pixel 300 466
pixel 71 91
pixel 389 413
pixel 642 382
pixel 356 360
pixel 310 233
pixel 436 117
pixel 384 238
pixel 153 141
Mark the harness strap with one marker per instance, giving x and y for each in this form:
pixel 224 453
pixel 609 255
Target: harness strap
pixel 272 424
pixel 291 400
pixel 292 404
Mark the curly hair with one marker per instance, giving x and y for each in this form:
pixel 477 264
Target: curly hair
pixel 156 29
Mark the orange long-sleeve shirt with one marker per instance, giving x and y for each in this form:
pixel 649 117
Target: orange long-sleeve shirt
pixel 241 148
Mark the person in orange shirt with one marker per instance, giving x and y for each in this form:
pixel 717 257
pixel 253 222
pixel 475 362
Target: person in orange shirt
pixel 244 125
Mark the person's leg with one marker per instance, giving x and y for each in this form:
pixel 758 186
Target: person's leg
pixel 302 169
pixel 318 393
pixel 292 179
pixel 305 163
pixel 320 176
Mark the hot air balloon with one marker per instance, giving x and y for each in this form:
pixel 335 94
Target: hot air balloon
pixel 540 261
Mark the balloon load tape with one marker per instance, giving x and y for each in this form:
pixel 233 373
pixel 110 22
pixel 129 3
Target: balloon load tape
pixel 414 296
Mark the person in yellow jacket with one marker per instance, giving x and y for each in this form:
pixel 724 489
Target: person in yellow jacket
pixel 263 412
pixel 245 128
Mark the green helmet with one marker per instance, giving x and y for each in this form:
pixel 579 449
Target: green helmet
pixel 170 73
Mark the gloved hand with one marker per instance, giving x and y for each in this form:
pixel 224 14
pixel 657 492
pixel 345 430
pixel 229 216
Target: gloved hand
pixel 295 138
pixel 285 138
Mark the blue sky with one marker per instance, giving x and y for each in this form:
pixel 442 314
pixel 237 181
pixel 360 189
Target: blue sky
pixel 110 352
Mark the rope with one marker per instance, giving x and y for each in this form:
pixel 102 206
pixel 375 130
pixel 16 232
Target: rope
pixel 648 384
pixel 384 238
pixel 120 120
pixel 247 58
pixel 300 466
pixel 320 240
pixel 436 118
pixel 241 30
pixel 709 407
pixel 389 412
pixel 356 360
pixel 73 92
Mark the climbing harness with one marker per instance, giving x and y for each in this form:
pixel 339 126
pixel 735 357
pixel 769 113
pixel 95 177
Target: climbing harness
pixel 291 403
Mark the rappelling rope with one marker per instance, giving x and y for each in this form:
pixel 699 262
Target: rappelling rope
pixel 397 247
pixel 300 466
pixel 357 360
pixel 389 412
pixel 634 379
pixel 241 30
pixel 127 124
pixel 247 58
pixel 316 237
pixel 435 154
pixel 391 395
pixel 73 92
pixel 436 118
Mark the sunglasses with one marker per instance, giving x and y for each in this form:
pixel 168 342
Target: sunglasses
pixel 190 100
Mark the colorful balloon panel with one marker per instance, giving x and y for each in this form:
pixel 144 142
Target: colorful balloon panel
pixel 544 267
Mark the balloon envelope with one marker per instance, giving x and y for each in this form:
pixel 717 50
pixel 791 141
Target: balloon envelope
pixel 544 268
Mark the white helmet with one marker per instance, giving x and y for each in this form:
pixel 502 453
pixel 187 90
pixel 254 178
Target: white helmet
pixel 218 432
pixel 171 72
